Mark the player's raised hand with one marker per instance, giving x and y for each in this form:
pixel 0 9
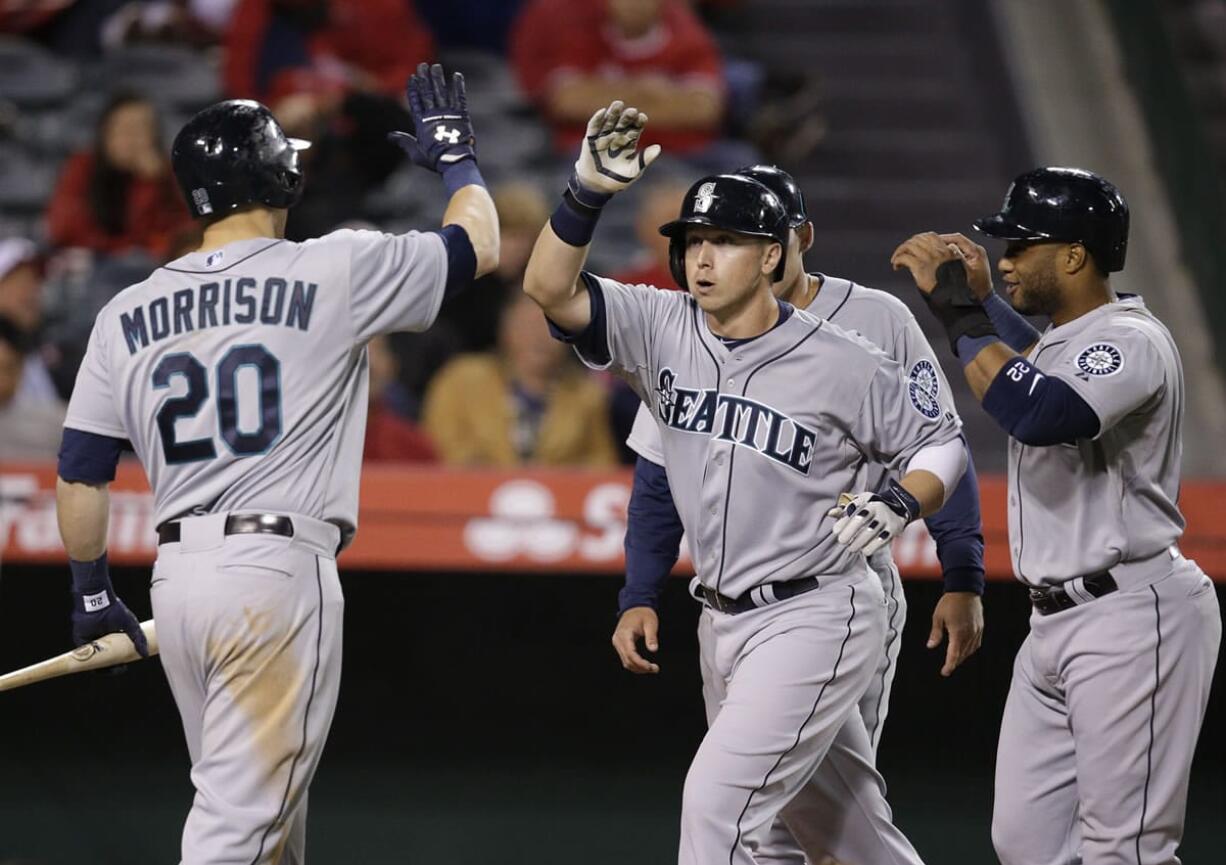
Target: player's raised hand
pixel 442 130
pixel 960 614
pixel 637 623
pixel 975 260
pixel 922 254
pixel 610 159
pixel 869 521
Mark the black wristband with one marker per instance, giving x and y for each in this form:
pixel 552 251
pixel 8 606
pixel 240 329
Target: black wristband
pixel 574 221
pixel 956 308
pixel 901 501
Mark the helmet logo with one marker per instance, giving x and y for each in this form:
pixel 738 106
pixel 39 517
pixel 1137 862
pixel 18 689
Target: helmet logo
pixel 704 198
pixel 451 136
pixel 200 198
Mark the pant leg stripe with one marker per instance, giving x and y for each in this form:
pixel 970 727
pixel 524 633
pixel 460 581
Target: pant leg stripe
pixel 1153 703
pixel 306 714
pixel 837 661
pixel 874 736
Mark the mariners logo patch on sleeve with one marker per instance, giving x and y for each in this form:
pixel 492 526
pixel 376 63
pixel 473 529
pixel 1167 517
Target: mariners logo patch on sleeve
pixel 1100 359
pixel 923 385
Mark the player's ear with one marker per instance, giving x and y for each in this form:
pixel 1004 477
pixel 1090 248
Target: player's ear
pixel 774 252
pixel 805 235
pixel 1075 258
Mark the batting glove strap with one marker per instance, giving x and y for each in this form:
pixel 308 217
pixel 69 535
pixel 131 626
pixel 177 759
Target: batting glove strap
pixel 870 521
pixel 956 307
pixel 96 610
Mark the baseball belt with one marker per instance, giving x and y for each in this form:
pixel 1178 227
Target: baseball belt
pixel 1079 590
pixel 758 596
pixel 236 524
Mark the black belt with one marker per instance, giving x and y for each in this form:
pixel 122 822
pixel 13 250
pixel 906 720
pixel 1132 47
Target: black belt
pixel 1054 599
pixel 236 524
pixel 781 590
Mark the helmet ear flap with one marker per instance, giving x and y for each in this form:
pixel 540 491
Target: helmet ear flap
pixel 676 261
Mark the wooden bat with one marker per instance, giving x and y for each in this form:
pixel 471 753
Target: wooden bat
pixel 108 651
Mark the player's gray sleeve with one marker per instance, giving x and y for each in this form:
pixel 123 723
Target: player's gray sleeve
pixel 893 422
pixel 395 280
pixel 1116 370
pixel 914 352
pixel 634 314
pixel 644 438
pixel 92 406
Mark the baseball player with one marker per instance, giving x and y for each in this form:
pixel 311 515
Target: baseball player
pixel 654 531
pixel 239 375
pixel 1110 687
pixel 766 414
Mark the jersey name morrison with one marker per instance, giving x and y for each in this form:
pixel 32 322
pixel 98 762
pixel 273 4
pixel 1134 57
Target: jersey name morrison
pixel 213 304
pixel 735 419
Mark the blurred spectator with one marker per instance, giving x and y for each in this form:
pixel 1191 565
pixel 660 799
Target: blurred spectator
pixel 390 437
pixel 574 56
pixel 528 403
pixel 661 202
pixel 334 72
pixel 473 315
pixel 120 195
pixel 481 24
pixel 21 304
pixel 319 50
pixel 27 430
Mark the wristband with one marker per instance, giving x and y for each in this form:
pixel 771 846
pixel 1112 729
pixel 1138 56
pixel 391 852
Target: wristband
pixel 457 175
pixel 574 221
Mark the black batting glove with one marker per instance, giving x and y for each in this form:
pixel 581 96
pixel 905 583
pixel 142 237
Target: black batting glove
pixel 442 130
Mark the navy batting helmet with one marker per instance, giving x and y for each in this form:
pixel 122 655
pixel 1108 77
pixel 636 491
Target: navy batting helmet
pixel 732 202
pixel 233 154
pixel 785 188
pixel 1064 204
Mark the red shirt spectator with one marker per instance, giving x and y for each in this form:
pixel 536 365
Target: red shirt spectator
pixel 390 438
pixel 573 56
pixel 277 48
pixel 121 195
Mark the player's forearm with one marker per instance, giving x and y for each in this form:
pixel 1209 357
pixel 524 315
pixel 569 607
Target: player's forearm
pixel 927 488
pixel 83 513
pixel 472 208
pixel 552 275
pixel 985 365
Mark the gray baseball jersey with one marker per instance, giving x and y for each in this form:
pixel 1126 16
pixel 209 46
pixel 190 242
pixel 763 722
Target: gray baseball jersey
pixel 239 375
pixel 789 418
pixel 1108 696
pixel 1084 507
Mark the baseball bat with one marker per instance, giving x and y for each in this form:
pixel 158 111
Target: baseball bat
pixel 107 651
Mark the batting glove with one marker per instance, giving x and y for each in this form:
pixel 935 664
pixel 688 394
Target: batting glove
pixel 610 159
pixel 442 131
pixel 869 521
pixel 97 610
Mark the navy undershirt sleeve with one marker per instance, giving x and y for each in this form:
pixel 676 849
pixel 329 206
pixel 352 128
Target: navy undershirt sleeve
pixel 593 341
pixel 89 458
pixel 461 259
pixel 1037 409
pixel 653 537
pixel 1015 331
pixel 958 532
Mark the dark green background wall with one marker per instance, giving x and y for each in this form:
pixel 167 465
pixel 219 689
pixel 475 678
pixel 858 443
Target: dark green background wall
pixel 484 719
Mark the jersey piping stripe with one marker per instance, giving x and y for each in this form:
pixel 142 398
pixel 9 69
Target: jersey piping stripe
pixel 843 302
pixel 228 266
pixel 715 363
pixel 874 735
pixel 723 540
pixel 834 672
pixel 1017 480
pixel 1153 708
pixel 306 713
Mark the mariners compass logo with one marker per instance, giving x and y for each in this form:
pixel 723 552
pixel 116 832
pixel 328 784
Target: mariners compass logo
pixel 1100 359
pixel 923 386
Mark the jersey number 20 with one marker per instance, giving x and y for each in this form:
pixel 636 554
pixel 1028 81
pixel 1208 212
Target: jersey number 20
pixel 267 367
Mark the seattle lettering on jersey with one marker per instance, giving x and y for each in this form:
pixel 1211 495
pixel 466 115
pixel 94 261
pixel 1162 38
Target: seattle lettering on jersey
pixel 217 304
pixel 735 419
